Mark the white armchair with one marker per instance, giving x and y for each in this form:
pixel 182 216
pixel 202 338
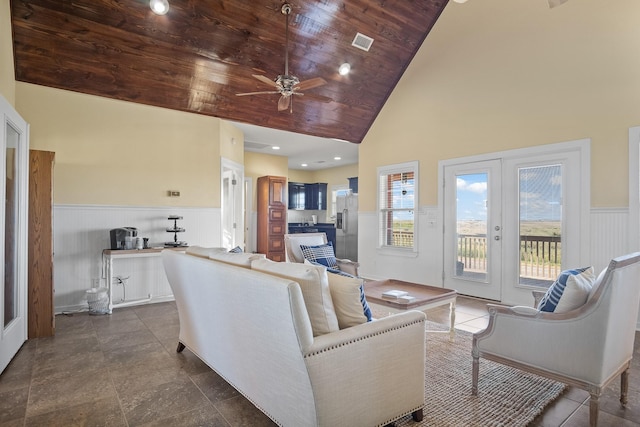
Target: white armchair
pixel 586 347
pixel 293 252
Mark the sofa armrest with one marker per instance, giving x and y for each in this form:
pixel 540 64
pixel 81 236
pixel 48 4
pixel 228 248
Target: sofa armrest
pixel 348 266
pixel 381 361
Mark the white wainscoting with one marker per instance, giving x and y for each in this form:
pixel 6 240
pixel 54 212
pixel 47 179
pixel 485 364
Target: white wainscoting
pixel 609 235
pixel 81 232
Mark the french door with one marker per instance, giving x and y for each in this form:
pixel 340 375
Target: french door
pixel 473 228
pixel 505 220
pixel 14 153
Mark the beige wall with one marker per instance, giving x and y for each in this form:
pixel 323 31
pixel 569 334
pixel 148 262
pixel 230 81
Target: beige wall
pixel 120 153
pixel 257 165
pixel 231 142
pixel 496 75
pixel 7 73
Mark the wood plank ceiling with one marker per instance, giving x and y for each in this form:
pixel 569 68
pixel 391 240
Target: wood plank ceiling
pixel 198 56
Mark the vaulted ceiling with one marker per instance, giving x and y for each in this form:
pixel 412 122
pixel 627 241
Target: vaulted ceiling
pixel 202 53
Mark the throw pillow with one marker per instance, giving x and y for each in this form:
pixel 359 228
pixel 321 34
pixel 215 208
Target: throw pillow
pixel 569 291
pixel 314 285
pixel 349 300
pixel 236 250
pixel 322 254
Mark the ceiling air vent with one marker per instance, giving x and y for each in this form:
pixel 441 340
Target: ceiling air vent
pixel 255 145
pixel 362 42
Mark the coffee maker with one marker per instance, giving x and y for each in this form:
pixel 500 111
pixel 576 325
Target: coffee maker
pixel 123 237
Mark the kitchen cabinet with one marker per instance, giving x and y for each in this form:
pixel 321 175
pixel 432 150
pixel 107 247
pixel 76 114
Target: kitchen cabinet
pixel 353 184
pixel 297 195
pixel 272 216
pixel 311 197
pixel 327 228
pixel 41 316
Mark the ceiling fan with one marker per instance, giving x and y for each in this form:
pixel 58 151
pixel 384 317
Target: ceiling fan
pixel 285 84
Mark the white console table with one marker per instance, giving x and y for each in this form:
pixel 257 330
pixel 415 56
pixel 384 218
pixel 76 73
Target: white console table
pixel 108 258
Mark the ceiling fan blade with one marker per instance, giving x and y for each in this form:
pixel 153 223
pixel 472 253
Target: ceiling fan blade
pixel 310 84
pixel 256 93
pixel 315 97
pixel 264 79
pixel 283 103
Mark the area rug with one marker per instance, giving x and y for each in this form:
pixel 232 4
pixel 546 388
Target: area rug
pixel 506 396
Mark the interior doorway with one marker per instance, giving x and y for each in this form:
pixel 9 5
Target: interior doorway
pixel 232 194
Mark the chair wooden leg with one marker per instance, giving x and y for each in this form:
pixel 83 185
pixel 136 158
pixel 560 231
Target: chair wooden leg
pixel 475 371
pixel 180 347
pixel 624 387
pixel 594 406
pixel 418 415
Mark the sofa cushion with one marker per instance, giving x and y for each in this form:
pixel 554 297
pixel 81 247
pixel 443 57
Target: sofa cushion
pixel 322 254
pixel 569 291
pixel 349 300
pixel 314 284
pixel 238 259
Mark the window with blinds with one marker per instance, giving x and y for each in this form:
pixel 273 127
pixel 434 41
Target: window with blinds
pixel 397 200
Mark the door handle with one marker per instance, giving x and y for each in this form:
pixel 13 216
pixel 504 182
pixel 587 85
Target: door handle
pixel 496 238
pixel 344 220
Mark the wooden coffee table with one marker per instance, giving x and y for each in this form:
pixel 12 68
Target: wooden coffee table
pixel 426 297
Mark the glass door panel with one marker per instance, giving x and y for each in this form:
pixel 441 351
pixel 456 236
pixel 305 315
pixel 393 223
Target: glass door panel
pixel 10 227
pixel 540 224
pixel 471 226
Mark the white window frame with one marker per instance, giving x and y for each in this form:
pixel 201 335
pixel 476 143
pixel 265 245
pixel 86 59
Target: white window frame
pixel 412 166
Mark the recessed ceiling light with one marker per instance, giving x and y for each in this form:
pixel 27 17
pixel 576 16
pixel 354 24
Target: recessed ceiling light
pixel 159 7
pixel 344 69
pixel 460 1
pixel 304 165
pixel 337 158
pixel 275 147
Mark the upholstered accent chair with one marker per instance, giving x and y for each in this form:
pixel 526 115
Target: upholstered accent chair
pixel 587 347
pixel 293 253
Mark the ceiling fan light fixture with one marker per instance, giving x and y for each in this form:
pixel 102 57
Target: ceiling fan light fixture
pixel 344 69
pixel 159 7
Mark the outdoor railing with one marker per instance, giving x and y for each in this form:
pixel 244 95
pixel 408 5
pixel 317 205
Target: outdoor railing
pixel 540 256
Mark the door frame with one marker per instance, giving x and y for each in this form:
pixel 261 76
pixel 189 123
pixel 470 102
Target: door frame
pixel 580 252
pixel 237 208
pixel 15 334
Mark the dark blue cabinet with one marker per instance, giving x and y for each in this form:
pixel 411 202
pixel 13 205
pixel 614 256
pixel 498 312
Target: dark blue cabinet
pixel 297 195
pixel 353 184
pixel 312 197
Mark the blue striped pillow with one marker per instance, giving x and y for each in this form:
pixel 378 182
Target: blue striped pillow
pixel 322 254
pixel 570 290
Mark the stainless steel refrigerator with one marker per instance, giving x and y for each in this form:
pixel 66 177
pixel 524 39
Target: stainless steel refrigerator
pixel 347 226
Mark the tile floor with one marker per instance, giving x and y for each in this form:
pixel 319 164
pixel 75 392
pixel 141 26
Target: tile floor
pixel 122 370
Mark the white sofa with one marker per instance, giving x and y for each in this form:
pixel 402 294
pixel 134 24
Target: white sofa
pixel 255 330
